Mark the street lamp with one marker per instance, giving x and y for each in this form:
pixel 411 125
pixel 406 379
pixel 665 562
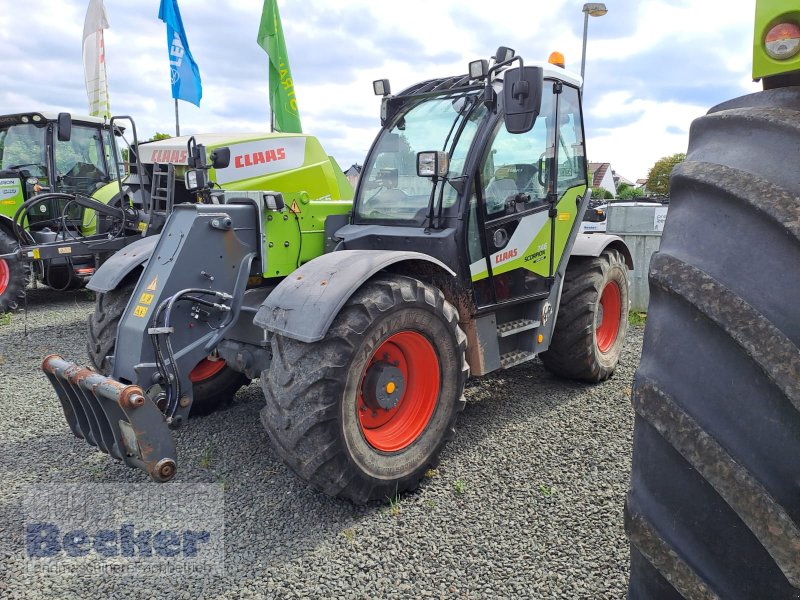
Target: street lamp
pixel 590 9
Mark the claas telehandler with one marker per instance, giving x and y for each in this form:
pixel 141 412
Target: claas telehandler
pixel 459 256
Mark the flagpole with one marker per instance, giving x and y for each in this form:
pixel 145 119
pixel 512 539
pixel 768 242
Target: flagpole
pixel 177 124
pixel 271 121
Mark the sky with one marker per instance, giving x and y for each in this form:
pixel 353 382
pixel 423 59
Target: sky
pixel 652 66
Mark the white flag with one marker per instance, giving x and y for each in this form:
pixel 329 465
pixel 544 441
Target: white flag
pixel 94 59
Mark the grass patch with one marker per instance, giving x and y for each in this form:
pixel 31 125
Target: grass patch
pixel 207 457
pixel 431 473
pixel 349 534
pixel 460 486
pixel 637 318
pixel 546 490
pixel 5 318
pixel 394 505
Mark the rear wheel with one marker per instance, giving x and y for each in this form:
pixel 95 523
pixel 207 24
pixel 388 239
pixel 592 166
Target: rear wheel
pixel 713 509
pixel 14 276
pixel 363 413
pixel 592 319
pixel 213 383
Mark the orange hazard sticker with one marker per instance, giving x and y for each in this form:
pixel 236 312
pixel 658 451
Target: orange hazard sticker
pixel 153 285
pixel 295 208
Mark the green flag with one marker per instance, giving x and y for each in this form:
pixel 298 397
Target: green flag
pixel 282 98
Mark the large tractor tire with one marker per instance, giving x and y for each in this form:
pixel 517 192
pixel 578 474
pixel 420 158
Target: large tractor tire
pixel 214 384
pixel 592 319
pixel 363 413
pixel 714 505
pixel 14 276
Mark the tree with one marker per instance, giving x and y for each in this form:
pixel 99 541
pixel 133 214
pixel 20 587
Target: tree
pixel 631 193
pixel 159 136
pixel 658 177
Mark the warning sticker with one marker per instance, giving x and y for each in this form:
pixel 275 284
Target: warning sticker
pixel 65 250
pixel 295 208
pixel 36 253
pixel 153 285
pixel 140 311
pixel 146 299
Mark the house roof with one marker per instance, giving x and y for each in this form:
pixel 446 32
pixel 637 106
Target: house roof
pixel 599 170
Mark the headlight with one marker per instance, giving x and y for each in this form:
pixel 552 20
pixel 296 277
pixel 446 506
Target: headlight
pixel 191 180
pixel 433 164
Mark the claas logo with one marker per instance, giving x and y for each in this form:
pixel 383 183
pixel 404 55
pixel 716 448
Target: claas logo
pixel 504 256
pixel 256 158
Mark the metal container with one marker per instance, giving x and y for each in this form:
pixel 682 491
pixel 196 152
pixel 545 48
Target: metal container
pixel 640 226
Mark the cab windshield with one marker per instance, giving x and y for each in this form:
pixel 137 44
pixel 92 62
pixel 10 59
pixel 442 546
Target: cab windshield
pixel 23 147
pixel 390 189
pixel 81 161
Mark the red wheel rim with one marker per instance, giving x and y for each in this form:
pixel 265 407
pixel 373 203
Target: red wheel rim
pixel 393 429
pixel 206 369
pixel 5 276
pixel 608 328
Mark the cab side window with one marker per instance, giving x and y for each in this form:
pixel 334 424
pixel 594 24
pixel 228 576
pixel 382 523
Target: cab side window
pixel 571 152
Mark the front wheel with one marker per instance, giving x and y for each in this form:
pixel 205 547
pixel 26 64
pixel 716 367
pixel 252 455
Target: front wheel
pixel 14 276
pixel 592 319
pixel 363 413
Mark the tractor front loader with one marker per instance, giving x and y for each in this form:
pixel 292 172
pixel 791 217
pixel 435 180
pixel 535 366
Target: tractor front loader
pixel 460 255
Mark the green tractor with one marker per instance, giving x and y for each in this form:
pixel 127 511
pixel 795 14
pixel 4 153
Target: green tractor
pixel 460 256
pixel 58 156
pixel 714 504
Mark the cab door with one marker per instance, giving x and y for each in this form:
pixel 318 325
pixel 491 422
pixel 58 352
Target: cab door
pixel 512 212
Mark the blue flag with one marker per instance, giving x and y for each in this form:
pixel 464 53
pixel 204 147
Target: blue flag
pixel 185 74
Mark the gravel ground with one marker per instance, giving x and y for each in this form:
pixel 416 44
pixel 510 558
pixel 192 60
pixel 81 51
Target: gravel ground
pixel 527 502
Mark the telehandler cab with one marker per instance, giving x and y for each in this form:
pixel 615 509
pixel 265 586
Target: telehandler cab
pixel 461 254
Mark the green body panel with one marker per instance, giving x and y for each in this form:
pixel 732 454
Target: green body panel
pixel 567 215
pixel 10 196
pixel 285 249
pixel 536 257
pixel 768 14
pixel 312 191
pixel 104 195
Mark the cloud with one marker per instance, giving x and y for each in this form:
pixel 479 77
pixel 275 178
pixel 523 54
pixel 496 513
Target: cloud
pixel 652 65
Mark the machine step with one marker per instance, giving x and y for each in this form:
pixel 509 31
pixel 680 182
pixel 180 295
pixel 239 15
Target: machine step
pixel 515 357
pixel 515 327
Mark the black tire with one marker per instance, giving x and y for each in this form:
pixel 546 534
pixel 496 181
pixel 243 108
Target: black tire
pixel 61 278
pixel 713 509
pixel 207 395
pixel 14 276
pixel 312 392
pixel 587 341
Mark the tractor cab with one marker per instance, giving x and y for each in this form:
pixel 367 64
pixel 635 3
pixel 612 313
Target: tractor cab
pixel 43 152
pixel 485 172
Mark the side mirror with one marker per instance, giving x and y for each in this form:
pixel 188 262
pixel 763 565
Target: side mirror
pixel 433 164
pixel 221 157
pixel 64 131
pixel 522 95
pixel 274 201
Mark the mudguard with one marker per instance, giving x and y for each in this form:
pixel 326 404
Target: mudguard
pixel 114 270
pixel 593 244
pixel 304 304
